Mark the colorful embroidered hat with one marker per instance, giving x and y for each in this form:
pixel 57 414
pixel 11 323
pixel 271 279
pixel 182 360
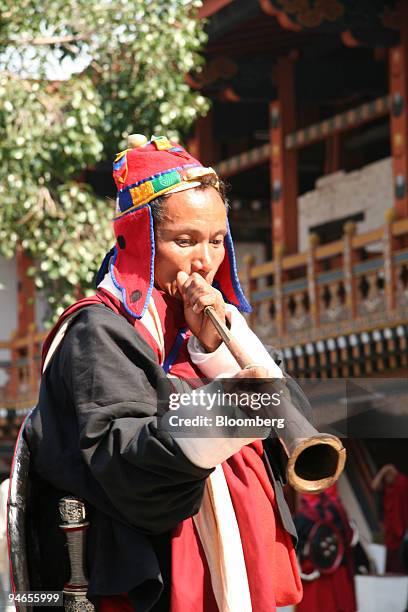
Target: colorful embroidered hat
pixel 143 172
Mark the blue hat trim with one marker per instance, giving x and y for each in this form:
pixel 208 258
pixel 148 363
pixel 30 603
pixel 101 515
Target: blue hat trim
pixel 104 268
pixel 243 303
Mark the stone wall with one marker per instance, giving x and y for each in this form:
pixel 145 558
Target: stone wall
pixel 8 297
pixel 368 190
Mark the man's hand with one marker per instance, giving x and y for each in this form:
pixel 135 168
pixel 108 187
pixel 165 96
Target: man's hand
pixel 197 294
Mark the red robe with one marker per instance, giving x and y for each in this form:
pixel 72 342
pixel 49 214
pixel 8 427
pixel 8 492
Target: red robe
pixel 330 592
pixel 395 502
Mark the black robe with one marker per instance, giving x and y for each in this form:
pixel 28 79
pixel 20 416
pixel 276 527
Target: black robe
pixel 94 435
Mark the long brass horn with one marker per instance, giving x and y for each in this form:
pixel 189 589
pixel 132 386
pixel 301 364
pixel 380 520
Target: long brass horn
pixel 315 460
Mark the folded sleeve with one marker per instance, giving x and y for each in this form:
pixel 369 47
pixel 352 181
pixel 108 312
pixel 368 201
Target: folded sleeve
pixel 220 363
pixel 213 442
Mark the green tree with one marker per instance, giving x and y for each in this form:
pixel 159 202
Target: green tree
pixel 76 77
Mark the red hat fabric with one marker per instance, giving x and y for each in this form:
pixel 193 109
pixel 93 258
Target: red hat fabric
pixel 142 173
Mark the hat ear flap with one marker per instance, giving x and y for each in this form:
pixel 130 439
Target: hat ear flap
pixel 227 278
pixel 132 266
pixel 104 266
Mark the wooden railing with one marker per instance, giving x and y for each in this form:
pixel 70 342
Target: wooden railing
pixel 19 379
pixel 359 282
pixel 356 284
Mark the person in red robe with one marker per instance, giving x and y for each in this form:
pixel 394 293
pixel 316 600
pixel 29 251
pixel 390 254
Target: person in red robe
pixel 325 588
pixel 394 487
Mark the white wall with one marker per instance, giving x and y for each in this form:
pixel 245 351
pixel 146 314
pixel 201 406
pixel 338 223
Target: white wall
pixel 8 297
pixel 40 310
pixel 368 190
pixel 8 309
pixel 257 249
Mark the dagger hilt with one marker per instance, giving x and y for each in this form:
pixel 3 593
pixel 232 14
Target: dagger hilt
pixel 74 525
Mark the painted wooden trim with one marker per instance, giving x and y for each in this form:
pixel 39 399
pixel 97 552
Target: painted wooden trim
pixel 368 266
pixel 400 256
pixel 268 293
pixel 332 276
pixel 294 286
pixel 339 123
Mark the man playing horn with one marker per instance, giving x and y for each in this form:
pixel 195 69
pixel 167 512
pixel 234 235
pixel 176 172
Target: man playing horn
pixel 176 523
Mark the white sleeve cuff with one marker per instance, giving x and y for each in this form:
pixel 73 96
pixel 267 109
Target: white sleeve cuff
pixel 221 363
pixel 215 443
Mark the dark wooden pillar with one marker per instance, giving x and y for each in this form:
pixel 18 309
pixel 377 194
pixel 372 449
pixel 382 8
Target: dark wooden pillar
pixel 283 163
pixel 332 158
pixel 349 259
pixel 313 266
pixel 202 145
pixel 398 68
pixel 389 243
pixel 25 327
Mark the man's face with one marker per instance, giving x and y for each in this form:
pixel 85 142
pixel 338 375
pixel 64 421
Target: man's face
pixel 190 238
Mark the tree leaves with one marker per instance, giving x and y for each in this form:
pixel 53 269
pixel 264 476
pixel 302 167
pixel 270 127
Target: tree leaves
pixel 76 77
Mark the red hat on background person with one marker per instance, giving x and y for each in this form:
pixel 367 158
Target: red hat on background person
pixel 143 172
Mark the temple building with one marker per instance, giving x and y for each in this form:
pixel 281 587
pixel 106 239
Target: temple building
pixel 309 127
